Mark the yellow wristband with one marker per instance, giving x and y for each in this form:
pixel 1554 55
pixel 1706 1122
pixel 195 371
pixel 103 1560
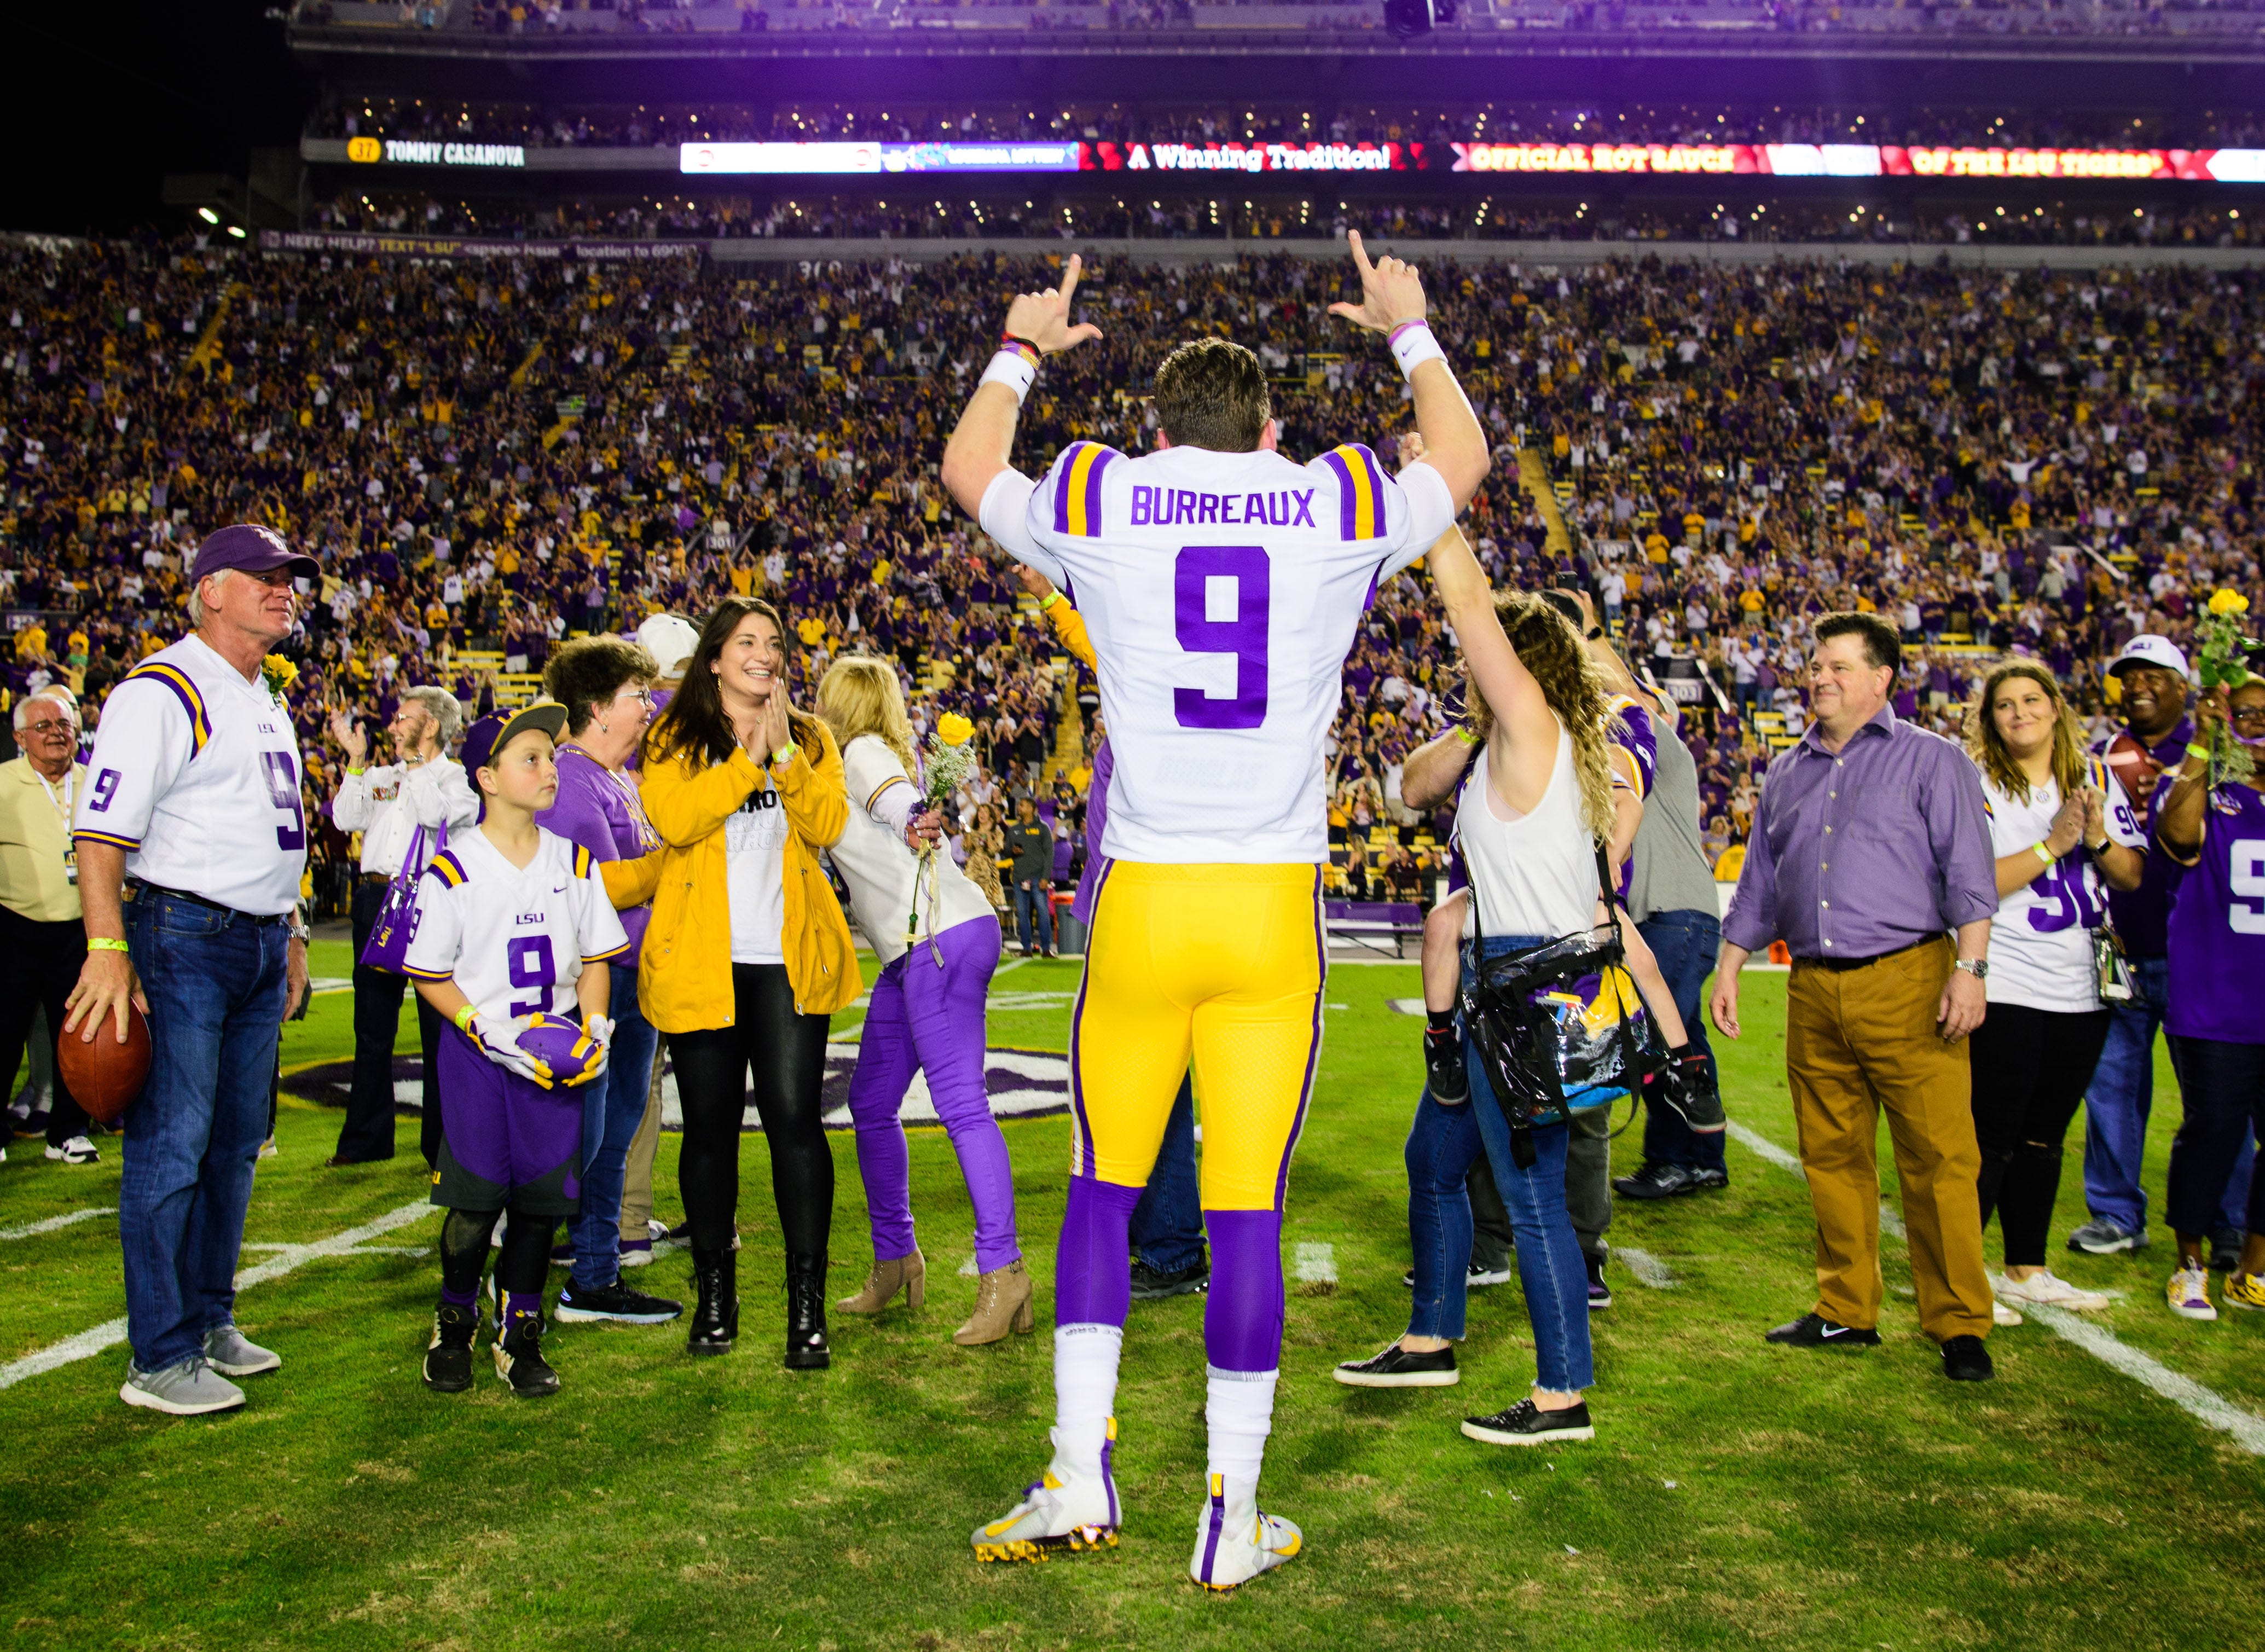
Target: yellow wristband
pixel 353 771
pixel 783 758
pixel 1467 737
pixel 1048 600
pixel 103 943
pixel 465 1016
pixel 2044 854
pixel 2202 751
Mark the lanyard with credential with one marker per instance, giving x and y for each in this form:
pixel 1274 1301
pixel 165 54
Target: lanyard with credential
pixel 63 805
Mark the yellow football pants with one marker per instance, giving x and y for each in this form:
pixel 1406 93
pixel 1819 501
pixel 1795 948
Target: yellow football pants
pixel 1217 967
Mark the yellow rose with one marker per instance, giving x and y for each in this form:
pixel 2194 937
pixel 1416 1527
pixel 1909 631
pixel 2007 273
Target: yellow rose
pixel 953 729
pixel 2229 602
pixel 279 673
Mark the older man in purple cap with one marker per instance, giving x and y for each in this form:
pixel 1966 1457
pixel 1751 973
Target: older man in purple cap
pixel 191 838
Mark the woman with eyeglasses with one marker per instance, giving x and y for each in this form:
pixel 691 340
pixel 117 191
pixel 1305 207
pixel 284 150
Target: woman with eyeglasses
pixel 2215 1016
pixel 606 685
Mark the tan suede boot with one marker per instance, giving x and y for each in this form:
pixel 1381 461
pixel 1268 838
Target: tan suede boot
pixel 1002 1303
pixel 908 1274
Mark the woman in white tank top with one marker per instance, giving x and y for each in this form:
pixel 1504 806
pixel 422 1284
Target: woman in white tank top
pixel 1538 801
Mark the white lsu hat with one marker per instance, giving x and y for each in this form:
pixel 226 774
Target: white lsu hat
pixel 2151 649
pixel 670 639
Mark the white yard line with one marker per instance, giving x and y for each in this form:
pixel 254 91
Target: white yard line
pixel 68 1219
pixel 87 1344
pixel 2198 1402
pixel 1647 1269
pixel 1316 1264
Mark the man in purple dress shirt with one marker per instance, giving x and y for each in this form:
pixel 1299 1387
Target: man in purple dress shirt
pixel 1871 842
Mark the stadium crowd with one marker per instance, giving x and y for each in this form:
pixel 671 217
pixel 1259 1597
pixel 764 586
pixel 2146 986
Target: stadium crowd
pixel 492 454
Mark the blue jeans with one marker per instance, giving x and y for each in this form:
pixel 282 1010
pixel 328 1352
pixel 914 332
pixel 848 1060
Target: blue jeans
pixel 1168 1230
pixel 1442 1146
pixel 2118 1105
pixel 214 983
pixel 612 1109
pixel 1685 942
pixel 1033 903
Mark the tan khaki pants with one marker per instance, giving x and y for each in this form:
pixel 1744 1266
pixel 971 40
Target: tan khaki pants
pixel 1856 1042
pixel 636 1179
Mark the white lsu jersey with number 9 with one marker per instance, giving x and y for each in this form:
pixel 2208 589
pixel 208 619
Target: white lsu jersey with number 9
pixel 196 774
pixel 1221 592
pixel 514 939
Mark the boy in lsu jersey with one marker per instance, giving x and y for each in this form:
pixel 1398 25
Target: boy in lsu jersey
pixel 507 918
pixel 1220 583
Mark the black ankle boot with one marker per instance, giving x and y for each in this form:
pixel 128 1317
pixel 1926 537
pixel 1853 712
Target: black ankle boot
pixel 715 1320
pixel 805 1312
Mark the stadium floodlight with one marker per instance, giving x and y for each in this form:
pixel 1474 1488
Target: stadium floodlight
pixel 208 214
pixel 237 230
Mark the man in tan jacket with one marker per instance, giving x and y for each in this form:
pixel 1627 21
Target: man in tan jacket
pixel 42 941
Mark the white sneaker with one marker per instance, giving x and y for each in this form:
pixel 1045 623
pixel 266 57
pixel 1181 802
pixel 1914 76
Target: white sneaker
pixel 2001 1314
pixel 1235 1541
pixel 233 1354
pixel 77 1150
pixel 189 1388
pixel 2048 1289
pixel 1065 1510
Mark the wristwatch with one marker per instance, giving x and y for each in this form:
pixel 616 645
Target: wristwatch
pixel 1978 968
pixel 298 932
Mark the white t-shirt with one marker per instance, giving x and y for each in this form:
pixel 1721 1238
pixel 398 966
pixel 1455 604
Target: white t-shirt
pixel 1222 591
pixel 2041 942
pixel 754 877
pixel 515 938
pixel 1535 875
pixel 196 774
pixel 886 882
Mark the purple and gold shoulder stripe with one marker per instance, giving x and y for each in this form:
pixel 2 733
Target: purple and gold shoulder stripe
pixel 1077 488
pixel 175 679
pixel 1360 491
pixel 446 867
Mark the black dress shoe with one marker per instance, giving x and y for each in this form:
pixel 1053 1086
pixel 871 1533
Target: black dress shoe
pixel 1965 1359
pixel 1657 1181
pixel 1153 1284
pixel 1526 1423
pixel 1814 1330
pixel 1443 1064
pixel 1397 1368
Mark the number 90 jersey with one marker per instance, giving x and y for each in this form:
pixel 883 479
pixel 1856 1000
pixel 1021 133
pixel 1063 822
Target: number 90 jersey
pixel 196 774
pixel 1221 592
pixel 2041 942
pixel 515 938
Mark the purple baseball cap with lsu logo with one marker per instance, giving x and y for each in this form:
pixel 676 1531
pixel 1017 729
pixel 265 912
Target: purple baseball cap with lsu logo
pixel 252 551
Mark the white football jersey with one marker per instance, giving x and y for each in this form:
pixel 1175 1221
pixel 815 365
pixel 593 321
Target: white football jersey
pixel 514 939
pixel 886 883
pixel 2040 942
pixel 196 774
pixel 1221 592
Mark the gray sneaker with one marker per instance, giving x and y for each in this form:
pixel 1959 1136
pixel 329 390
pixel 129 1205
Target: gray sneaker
pixel 188 1389
pixel 2103 1236
pixel 234 1354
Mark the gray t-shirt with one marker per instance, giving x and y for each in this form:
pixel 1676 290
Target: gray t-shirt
pixel 1670 873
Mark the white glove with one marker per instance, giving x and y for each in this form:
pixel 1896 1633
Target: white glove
pixel 499 1038
pixel 600 1031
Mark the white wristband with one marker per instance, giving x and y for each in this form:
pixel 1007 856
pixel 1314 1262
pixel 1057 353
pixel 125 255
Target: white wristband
pixel 1013 369
pixel 1413 344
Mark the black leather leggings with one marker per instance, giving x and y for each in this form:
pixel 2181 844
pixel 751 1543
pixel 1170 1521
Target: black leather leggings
pixel 786 1053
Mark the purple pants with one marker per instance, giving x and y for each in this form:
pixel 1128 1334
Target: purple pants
pixel 926 1019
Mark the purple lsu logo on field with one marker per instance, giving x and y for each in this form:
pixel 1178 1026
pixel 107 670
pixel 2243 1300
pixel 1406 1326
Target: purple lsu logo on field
pixel 1161 507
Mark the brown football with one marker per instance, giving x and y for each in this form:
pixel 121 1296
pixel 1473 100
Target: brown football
pixel 104 1075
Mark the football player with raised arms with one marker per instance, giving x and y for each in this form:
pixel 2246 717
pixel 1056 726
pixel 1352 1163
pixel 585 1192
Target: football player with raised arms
pixel 1221 584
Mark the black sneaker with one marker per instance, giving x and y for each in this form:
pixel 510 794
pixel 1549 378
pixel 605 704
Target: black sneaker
pixel 1814 1330
pixel 1964 1359
pixel 1397 1368
pixel 1657 1181
pixel 520 1362
pixel 1475 1276
pixel 1709 1180
pixel 1153 1285
pixel 2225 1250
pixel 1601 1294
pixel 448 1357
pixel 1526 1423
pixel 1443 1064
pixel 615 1302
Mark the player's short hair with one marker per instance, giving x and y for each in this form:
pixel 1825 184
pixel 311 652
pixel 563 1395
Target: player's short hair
pixel 442 707
pixel 589 670
pixel 1211 393
pixel 1882 645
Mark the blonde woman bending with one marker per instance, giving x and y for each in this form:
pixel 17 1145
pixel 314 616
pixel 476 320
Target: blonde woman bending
pixel 937 938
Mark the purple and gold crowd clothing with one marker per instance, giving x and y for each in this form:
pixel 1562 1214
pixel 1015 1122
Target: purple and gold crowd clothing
pixel 602 812
pixel 2216 927
pixel 1866 852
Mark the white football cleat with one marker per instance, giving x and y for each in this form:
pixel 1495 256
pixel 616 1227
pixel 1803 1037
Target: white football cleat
pixel 1065 1510
pixel 1235 1541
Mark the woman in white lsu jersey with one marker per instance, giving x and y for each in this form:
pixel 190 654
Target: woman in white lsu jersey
pixel 2059 825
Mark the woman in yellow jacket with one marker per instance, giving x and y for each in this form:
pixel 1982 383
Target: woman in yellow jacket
pixel 747 955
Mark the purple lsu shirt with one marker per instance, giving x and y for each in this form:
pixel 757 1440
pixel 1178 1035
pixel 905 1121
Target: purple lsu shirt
pixel 601 812
pixel 2217 927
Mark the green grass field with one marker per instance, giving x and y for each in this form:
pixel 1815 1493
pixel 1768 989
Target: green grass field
pixel 1735 1495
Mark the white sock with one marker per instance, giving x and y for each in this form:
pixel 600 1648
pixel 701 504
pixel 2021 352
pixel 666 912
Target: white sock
pixel 1239 1410
pixel 1085 1392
